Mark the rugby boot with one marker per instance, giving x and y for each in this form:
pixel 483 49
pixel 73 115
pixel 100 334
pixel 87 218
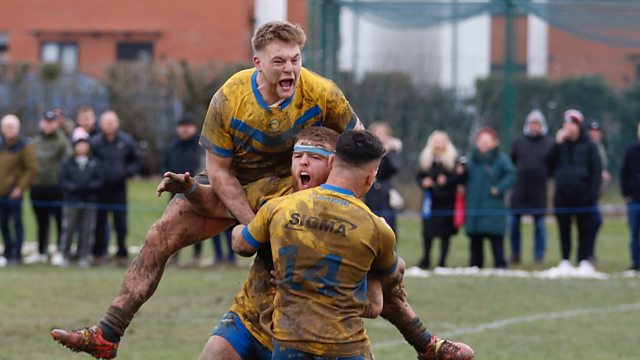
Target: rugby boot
pixel 89 340
pixel 441 349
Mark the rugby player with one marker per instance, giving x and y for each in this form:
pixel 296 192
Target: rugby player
pixel 248 134
pixel 322 244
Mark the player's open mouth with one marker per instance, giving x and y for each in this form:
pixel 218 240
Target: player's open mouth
pixel 305 179
pixel 286 84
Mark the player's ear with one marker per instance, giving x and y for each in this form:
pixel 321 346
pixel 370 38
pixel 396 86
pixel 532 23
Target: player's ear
pixel 330 161
pixel 256 62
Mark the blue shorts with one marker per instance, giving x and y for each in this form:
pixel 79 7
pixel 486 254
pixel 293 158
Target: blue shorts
pixel 282 352
pixel 233 330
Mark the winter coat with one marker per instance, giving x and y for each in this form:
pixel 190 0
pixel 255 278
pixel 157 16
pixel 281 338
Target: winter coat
pixel 17 165
pixel 630 173
pixel 528 155
pixel 377 199
pixel 51 150
pixel 120 158
pixel 486 213
pixel 576 168
pixel 80 185
pixel 183 156
pixel 440 224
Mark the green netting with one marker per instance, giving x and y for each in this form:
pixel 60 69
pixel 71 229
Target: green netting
pixel 615 22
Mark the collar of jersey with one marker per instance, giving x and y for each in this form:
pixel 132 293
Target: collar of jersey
pixel 260 100
pixel 338 189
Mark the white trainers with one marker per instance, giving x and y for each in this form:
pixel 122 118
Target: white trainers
pixel 586 267
pixel 3 261
pixel 36 258
pixel 565 265
pixel 59 260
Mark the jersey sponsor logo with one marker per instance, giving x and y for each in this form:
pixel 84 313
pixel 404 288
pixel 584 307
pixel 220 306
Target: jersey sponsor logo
pixel 331 225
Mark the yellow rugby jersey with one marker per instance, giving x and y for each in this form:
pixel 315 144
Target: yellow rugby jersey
pixel 259 138
pixel 324 241
pixel 257 291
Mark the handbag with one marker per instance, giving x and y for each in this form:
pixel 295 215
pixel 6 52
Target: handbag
pixel 396 201
pixel 426 204
pixel 459 207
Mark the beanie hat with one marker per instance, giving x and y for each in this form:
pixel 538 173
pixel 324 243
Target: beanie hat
pixel 535 115
pixel 573 115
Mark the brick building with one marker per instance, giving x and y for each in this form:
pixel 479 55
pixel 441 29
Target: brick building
pixel 88 35
pixel 567 55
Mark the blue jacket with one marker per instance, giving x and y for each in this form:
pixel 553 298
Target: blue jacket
pixel 630 173
pixel 486 213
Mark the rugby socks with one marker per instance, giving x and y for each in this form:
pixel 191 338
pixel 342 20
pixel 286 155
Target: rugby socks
pixel 114 323
pixel 416 335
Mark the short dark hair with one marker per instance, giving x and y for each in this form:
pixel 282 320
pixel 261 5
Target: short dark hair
pixel 358 147
pixel 318 134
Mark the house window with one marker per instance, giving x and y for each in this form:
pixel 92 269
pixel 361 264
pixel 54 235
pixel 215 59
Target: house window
pixel 131 51
pixel 63 53
pixel 4 48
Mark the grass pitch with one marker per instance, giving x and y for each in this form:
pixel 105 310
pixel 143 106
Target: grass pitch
pixel 501 317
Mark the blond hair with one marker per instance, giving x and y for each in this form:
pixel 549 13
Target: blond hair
pixel 278 31
pixel 447 158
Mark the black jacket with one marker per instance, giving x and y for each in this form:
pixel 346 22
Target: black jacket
pixel 183 156
pixel 440 224
pixel 378 196
pixel 80 184
pixel 120 158
pixel 576 168
pixel 528 154
pixel 630 173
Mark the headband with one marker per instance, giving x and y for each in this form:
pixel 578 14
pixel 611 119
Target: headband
pixel 314 150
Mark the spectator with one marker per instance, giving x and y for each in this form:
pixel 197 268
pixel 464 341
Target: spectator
pixel 439 178
pixel 595 134
pixel 80 178
pixel 218 255
pixel 51 147
pixel 630 186
pixel 575 164
pixel 529 197
pixel 377 199
pixel 18 167
pixel 185 155
pixel 490 175
pixel 118 154
pixel 86 120
pixel 64 124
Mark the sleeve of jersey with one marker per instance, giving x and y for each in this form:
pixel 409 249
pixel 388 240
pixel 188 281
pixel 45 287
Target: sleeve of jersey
pixel 387 260
pixel 256 233
pixel 215 130
pixel 339 114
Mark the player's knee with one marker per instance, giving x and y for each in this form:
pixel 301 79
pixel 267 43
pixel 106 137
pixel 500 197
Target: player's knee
pixel 217 348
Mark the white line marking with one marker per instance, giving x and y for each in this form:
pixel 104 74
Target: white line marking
pixel 498 324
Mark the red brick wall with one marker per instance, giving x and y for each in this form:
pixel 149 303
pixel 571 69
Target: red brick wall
pixel 571 56
pixel 199 31
pixel 498 39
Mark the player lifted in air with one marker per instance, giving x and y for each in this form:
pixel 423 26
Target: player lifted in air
pixel 248 133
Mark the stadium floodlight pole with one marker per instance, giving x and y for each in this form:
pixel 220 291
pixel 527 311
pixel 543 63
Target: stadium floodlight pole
pixel 509 95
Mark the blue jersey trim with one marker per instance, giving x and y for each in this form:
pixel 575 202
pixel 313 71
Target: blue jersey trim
pixel 226 153
pixel 275 141
pixel 250 239
pixel 337 189
pixel 260 100
pixel 256 93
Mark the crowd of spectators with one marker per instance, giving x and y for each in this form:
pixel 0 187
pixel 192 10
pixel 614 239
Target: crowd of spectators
pixel 76 175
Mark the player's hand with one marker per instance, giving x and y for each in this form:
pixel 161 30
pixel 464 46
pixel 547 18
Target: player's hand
pixel 15 193
pixel 175 183
pixel 275 277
